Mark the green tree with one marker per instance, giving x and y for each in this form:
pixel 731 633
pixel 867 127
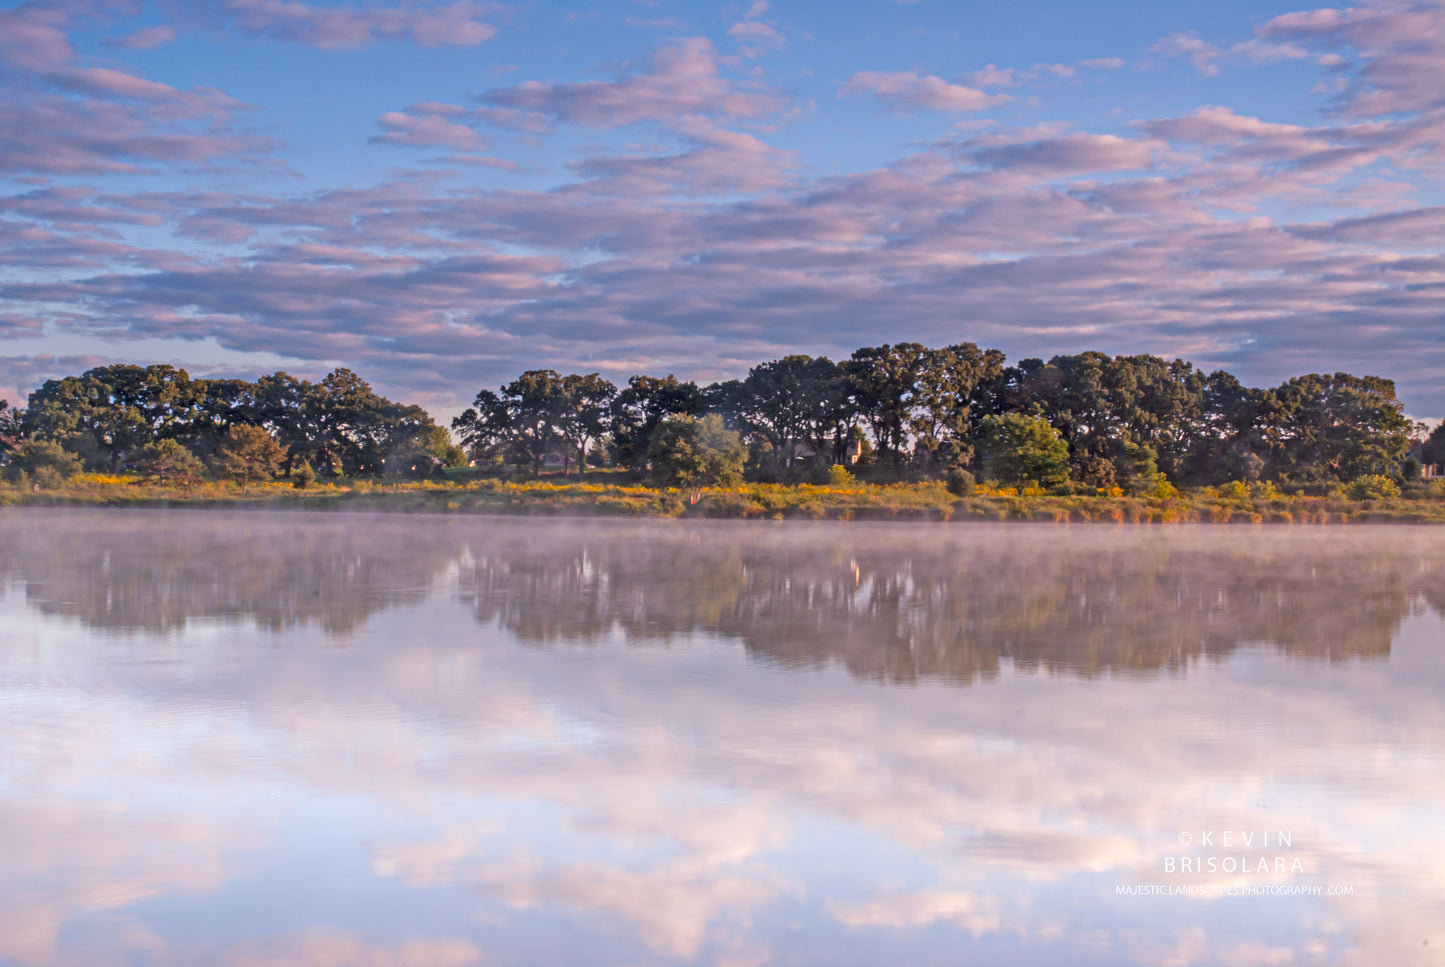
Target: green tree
pixel 11 427
pixel 1432 452
pixel 485 427
pixel 944 395
pixel 882 382
pixel 790 402
pixel 248 454
pixel 168 461
pixel 303 475
pixel 537 405
pixel 45 460
pixel 692 453
pixel 110 411
pixel 586 414
pixel 645 403
pixel 1340 427
pixel 421 452
pixel 1024 450
pixel 286 406
pixel 355 427
pixel 217 404
pixel 536 414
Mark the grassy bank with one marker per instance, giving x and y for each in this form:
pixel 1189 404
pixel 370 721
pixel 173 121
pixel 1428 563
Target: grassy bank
pixel 918 501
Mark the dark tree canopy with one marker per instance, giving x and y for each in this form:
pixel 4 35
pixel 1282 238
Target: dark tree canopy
pixel 646 402
pixel 900 411
pixel 11 429
pixel 109 414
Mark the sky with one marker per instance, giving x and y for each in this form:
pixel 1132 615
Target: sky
pixel 441 195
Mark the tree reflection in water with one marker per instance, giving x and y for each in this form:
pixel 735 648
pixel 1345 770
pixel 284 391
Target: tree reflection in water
pixel 897 604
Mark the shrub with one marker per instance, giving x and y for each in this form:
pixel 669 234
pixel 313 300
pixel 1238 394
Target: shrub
pixel 1373 487
pixel 168 460
pixel 1234 490
pixel 1160 488
pixel 840 476
pixel 1024 449
pixel 960 482
pixel 303 475
pixel 48 478
pixel 696 453
pixel 247 454
pixel 35 456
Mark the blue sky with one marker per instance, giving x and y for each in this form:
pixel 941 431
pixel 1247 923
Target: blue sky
pixel 441 195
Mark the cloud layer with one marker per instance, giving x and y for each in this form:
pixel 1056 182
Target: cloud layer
pixel 670 221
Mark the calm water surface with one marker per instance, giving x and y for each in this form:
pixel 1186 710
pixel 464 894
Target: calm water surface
pixel 363 740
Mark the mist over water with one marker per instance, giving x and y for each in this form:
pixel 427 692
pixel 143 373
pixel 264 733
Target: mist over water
pixel 346 739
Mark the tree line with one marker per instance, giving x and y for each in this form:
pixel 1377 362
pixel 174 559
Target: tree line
pixel 908 411
pixel 162 419
pixel 891 412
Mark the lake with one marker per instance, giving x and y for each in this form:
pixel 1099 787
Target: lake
pixel 324 739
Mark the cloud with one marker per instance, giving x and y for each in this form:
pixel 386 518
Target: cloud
pixel 429 125
pixel 756 38
pixel 977 914
pixel 679 79
pixel 58 135
pixel 721 161
pixel 995 76
pixel 907 90
pixel 1400 48
pixel 697 245
pixel 352 28
pixel 1069 154
pixel 64 117
pixel 1203 55
pixel 146 38
pixel 323 947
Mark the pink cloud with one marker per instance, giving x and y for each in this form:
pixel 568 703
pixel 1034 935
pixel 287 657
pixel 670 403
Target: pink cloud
pixel 428 125
pixel 908 90
pixel 1401 49
pixel 1203 55
pixel 756 37
pixel 995 76
pixel 679 79
pixel 60 135
pixel 351 28
pixel 110 120
pixel 147 38
pixel 1070 154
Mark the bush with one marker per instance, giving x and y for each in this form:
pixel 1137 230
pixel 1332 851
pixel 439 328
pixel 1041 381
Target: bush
pixel 1373 487
pixel 839 476
pixel 303 475
pixel 1264 490
pixel 247 454
pixel 1160 488
pixel 1234 490
pixel 696 453
pixel 168 460
pixel 35 456
pixel 1024 450
pixel 48 478
pixel 960 482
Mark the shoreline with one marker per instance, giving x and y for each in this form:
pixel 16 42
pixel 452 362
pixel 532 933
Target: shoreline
pixel 897 502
